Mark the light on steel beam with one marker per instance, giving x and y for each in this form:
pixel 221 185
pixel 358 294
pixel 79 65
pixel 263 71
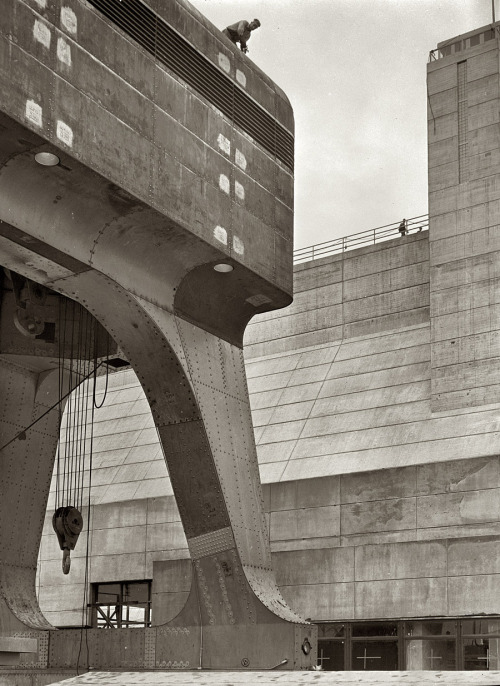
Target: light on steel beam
pixel 223 268
pixel 47 159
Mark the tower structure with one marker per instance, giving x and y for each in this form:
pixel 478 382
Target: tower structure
pixel 464 208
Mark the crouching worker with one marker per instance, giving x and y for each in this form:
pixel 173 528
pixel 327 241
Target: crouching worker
pixel 240 32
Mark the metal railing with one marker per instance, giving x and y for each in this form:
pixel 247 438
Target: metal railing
pixel 358 240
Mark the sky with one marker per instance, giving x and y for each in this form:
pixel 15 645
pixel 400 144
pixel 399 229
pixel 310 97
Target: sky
pixel 355 74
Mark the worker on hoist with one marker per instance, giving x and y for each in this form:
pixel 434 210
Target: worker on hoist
pixel 240 32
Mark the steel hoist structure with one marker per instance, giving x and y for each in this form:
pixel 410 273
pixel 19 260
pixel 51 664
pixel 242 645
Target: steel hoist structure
pixel 146 174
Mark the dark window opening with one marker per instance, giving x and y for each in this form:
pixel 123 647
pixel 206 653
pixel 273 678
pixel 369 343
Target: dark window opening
pixel 121 605
pixel 374 655
pixel 421 644
pixel 117 362
pixel 375 629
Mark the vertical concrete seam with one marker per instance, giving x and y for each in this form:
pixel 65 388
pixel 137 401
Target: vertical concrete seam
pixel 447 541
pixel 146 573
pixel 416 501
pixel 153 135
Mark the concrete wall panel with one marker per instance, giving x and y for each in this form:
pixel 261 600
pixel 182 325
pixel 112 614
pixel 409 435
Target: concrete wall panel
pixel 442 127
pixel 321 566
pixel 359 488
pixel 401 598
pixel 327 600
pixel 401 560
pixel 483 89
pixel 442 79
pixel 452 509
pixel 380 397
pixel 289 413
pixel 172 576
pixel 118 515
pixel 322 272
pixel 470 556
pixel 304 494
pixel 118 567
pixel 460 475
pixel 386 281
pixel 379 515
pixel 305 523
pixel 387 322
pixel 442 104
pixel 444 176
pixel 165 536
pixel 443 151
pixel 162 510
pixel 484 64
pixel 472 595
pixel 116 541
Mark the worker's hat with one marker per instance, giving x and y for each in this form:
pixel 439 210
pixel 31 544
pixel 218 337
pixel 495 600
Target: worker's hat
pixel 256 21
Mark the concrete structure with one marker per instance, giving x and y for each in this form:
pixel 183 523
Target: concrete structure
pixel 159 163
pixel 375 411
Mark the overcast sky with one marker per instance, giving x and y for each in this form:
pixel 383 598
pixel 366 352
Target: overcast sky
pixel 355 73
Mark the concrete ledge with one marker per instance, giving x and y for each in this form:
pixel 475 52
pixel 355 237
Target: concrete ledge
pixel 11 648
pixel 15 644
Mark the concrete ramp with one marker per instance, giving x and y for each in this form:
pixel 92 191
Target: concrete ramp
pixel 204 678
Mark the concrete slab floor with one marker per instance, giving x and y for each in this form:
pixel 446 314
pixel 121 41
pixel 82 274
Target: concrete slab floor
pixel 219 678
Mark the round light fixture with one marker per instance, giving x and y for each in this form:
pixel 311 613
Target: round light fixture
pixel 47 159
pixel 223 268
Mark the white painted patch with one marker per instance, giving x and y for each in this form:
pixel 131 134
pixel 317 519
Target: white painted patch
pixel 224 183
pixel 41 3
pixel 63 51
pixel 34 112
pixel 239 190
pixel 217 111
pixel 224 144
pixel 240 159
pixel 238 246
pixel 220 234
pixel 241 78
pixel 69 20
pixel 64 133
pixel 224 62
pixel 41 33
pixel 258 300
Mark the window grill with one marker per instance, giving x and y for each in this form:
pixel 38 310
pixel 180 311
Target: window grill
pixel 121 605
pixel 167 46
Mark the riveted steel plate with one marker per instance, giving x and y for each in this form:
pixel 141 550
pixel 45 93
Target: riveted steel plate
pixel 37 660
pixel 306 646
pixel 211 543
pixel 177 647
pixel 149 648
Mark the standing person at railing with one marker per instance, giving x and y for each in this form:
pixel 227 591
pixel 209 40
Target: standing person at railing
pixel 403 228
